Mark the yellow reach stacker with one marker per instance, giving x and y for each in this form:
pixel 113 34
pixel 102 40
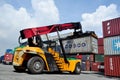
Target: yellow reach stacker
pixel 38 56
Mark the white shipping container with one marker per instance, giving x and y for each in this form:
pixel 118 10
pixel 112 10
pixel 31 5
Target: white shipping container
pixel 112 45
pixel 87 44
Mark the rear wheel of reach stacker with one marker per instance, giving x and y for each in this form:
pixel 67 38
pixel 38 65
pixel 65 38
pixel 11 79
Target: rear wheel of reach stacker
pixel 35 65
pixel 77 68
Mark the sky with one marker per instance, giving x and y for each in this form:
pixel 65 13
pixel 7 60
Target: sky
pixel 16 15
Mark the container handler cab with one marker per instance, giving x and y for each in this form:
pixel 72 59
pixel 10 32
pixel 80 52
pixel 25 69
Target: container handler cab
pixel 37 58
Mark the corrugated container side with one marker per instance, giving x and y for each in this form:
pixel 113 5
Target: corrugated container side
pixel 111 27
pixel 97 66
pixel 94 66
pixel 99 58
pixel 112 45
pixel 81 45
pixel 8 57
pixel 100 49
pixel 100 42
pixel 112 64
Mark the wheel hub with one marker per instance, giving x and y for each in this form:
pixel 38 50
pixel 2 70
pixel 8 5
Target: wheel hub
pixel 37 65
pixel 78 69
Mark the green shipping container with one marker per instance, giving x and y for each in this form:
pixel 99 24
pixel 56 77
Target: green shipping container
pixel 99 58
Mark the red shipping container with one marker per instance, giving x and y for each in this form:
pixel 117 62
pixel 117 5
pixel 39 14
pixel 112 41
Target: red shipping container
pixel 112 66
pixel 8 58
pixel 97 66
pixel 100 49
pixel 111 27
pixel 94 66
pixel 100 42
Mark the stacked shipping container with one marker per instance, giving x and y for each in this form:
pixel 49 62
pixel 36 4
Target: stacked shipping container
pixel 112 64
pixel 87 44
pixel 84 45
pixel 98 64
pixel 8 56
pixel 100 46
pixel 111 33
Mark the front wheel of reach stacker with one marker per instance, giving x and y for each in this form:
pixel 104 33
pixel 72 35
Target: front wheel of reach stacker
pixel 35 65
pixel 77 68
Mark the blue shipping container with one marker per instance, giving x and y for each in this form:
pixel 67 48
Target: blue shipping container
pixel 9 51
pixel 112 45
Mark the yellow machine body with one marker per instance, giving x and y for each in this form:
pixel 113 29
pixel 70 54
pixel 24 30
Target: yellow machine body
pixel 23 54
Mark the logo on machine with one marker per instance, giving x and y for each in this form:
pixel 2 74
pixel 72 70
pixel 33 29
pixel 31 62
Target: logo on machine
pixel 74 45
pixel 116 45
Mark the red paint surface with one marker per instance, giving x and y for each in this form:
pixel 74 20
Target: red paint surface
pixel 79 56
pixel 8 57
pixel 112 66
pixel 96 66
pixel 100 49
pixel 111 27
pixel 30 32
pixel 100 42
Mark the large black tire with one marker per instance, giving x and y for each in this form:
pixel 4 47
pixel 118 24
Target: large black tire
pixel 19 68
pixel 35 65
pixel 77 68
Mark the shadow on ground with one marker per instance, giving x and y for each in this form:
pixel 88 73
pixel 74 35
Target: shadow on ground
pixel 46 72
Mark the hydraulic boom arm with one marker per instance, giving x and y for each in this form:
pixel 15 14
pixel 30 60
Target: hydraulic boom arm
pixel 30 32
